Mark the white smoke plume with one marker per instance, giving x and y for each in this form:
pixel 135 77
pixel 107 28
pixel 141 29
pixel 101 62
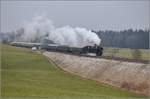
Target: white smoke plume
pixel 41 27
pixel 37 28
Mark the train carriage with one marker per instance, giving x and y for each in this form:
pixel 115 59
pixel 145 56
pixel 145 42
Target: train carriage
pixel 98 50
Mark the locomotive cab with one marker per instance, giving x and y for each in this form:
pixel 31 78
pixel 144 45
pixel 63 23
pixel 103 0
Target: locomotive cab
pixel 98 50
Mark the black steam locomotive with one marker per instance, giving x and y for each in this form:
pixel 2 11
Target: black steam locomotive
pixel 98 50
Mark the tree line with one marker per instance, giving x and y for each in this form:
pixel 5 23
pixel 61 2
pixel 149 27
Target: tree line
pixel 136 39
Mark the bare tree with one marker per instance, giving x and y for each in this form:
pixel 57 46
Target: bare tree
pixel 136 53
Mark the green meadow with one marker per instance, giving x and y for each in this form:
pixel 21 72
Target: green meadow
pixel 26 74
pixel 138 54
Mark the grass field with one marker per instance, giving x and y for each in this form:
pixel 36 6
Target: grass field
pixel 139 54
pixel 28 74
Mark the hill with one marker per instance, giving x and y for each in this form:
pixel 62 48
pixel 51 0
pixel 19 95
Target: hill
pixel 28 74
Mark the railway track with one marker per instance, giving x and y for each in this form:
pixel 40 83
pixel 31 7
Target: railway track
pixel 110 58
pixel 107 57
pixel 125 59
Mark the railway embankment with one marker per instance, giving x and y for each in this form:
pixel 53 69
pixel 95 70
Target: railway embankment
pixel 130 76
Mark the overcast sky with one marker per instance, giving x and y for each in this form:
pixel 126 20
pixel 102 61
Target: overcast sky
pixel 95 15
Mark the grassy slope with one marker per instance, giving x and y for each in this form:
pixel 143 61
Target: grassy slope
pixel 27 74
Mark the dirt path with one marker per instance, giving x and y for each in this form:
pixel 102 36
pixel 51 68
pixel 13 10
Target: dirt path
pixel 127 75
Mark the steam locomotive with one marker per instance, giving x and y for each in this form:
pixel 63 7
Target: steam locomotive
pixel 96 49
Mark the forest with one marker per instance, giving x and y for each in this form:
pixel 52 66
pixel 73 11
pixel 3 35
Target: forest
pixel 135 39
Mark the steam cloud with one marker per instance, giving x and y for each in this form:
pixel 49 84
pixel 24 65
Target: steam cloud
pixel 41 27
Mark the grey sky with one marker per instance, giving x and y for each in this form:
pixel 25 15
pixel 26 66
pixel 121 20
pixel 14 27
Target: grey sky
pixel 96 15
